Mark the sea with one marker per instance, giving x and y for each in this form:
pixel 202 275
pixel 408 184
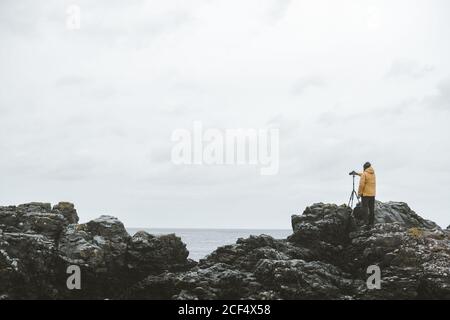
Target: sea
pixel 201 242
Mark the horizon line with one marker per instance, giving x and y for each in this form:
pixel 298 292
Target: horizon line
pixel 206 228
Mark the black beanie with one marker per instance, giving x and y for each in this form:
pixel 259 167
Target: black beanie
pixel 367 165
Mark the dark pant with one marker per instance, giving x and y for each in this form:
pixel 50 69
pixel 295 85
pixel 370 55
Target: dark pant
pixel 369 202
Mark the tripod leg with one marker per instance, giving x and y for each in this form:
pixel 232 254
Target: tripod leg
pixel 350 201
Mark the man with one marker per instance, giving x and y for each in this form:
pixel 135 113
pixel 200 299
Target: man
pixel 367 190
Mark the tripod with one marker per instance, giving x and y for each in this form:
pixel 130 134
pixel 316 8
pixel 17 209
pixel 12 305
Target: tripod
pixel 353 195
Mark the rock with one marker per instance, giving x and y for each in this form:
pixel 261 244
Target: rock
pixel 322 222
pixel 99 248
pixel 258 267
pixel 27 264
pixel 400 212
pixel 227 273
pixel 67 209
pixel 414 262
pixel 149 254
pixel 327 256
pixel 108 227
pixel 100 245
pixel 246 253
pixel 38 243
pixel 299 279
pixel 215 282
pixel 323 229
pixel 35 218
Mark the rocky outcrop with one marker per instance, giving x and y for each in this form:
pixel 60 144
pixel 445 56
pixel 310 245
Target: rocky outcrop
pixel 37 218
pixel 38 243
pixel 149 254
pixel 414 262
pixel 327 256
pixel 400 212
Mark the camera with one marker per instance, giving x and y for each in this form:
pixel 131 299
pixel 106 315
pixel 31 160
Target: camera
pixel 353 173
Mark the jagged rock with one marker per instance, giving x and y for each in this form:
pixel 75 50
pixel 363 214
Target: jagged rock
pixel 414 262
pixel 298 279
pixel 100 244
pixel 38 243
pixel 218 281
pixel 108 227
pixel 99 248
pixel 326 257
pixel 323 229
pixel 67 209
pixel 33 218
pixel 149 254
pixel 401 213
pixel 227 273
pixel 259 267
pixel 246 253
pixel 322 222
pixel 27 264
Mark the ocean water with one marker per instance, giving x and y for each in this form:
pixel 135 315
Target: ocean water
pixel 201 242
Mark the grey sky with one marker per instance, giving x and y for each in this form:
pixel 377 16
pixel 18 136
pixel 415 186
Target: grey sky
pixel 87 115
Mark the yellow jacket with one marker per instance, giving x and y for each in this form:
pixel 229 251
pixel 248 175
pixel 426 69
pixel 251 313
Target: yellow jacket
pixel 367 183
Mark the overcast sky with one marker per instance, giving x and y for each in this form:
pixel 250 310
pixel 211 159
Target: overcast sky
pixel 87 115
